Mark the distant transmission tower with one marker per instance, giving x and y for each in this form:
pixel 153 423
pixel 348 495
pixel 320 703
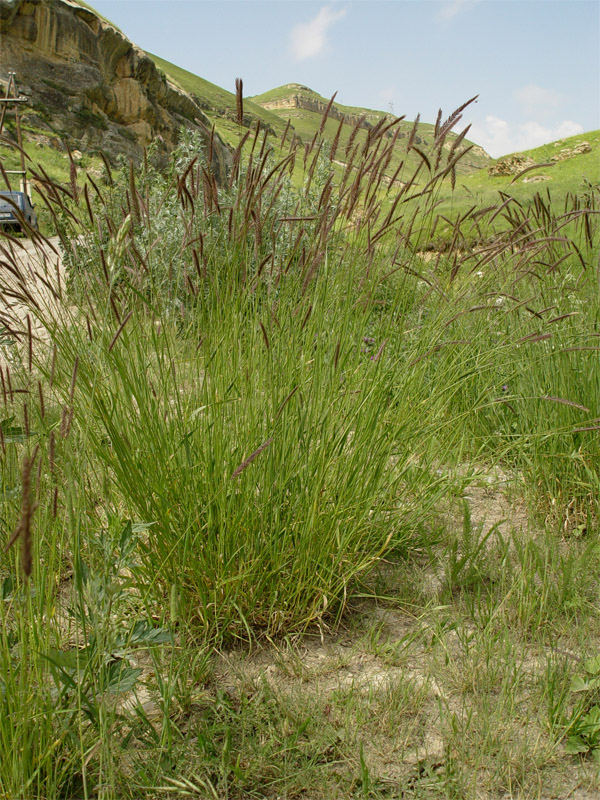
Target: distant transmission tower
pixel 391 109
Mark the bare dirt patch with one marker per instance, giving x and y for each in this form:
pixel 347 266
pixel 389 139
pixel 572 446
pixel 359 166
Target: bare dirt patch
pixel 35 280
pixel 440 701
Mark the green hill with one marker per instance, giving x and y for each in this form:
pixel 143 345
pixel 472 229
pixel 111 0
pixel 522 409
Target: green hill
pixel 44 126
pixel 304 108
pixel 567 166
pixel 218 104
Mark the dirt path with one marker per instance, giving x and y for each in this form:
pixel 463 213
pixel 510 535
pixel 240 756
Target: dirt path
pixel 31 286
pixel 423 687
pixel 39 268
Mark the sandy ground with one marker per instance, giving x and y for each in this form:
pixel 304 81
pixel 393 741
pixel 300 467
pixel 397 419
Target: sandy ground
pixel 31 285
pixel 39 267
pixel 320 667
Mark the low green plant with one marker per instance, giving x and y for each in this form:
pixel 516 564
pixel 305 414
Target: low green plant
pixel 101 665
pixel 584 737
pixel 583 729
pixel 464 559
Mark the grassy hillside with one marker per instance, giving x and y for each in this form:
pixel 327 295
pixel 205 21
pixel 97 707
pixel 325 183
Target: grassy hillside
pixel 571 175
pixel 565 175
pixel 475 186
pixel 43 156
pixel 219 104
pixel 306 123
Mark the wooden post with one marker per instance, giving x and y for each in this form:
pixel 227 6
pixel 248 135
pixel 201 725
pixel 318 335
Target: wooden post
pixel 14 99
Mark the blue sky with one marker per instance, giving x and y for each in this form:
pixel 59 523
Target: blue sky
pixel 534 63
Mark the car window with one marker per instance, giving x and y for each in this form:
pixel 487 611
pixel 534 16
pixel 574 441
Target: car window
pixel 16 197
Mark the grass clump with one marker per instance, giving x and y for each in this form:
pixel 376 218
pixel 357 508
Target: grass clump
pixel 235 362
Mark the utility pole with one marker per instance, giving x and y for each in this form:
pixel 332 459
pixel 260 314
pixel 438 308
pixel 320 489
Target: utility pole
pixel 12 99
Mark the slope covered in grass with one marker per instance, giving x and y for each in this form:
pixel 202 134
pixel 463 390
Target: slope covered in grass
pixel 561 171
pixel 345 133
pixel 304 107
pixel 219 104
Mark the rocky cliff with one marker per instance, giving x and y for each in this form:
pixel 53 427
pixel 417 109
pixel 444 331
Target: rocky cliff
pixel 91 86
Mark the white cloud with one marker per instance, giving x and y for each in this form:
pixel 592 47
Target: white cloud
pixel 500 137
pixel 450 8
pixel 308 39
pixel 535 101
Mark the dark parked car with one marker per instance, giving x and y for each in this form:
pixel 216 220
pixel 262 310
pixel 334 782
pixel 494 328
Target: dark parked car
pixel 14 208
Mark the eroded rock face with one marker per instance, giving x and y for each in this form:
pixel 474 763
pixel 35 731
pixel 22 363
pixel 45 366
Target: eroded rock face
pixel 569 152
pixel 308 103
pixel 298 99
pixel 91 85
pixel 511 165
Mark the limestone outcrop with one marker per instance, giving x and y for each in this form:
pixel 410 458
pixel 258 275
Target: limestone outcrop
pixel 91 86
pixel 510 165
pixel 537 179
pixel 569 152
pixel 299 99
pixel 296 99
